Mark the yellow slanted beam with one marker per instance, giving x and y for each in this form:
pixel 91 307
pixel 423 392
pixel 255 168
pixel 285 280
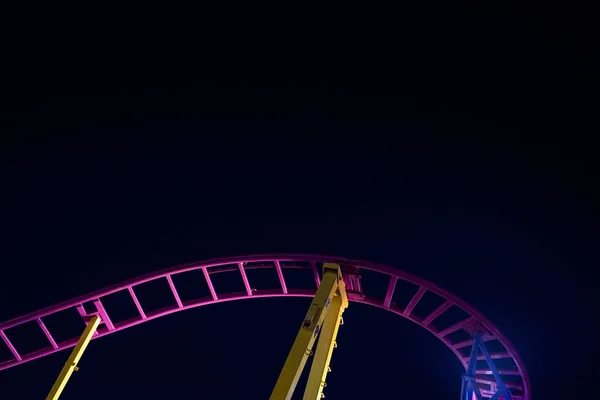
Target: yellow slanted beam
pixel 325 346
pixel 71 364
pixel 331 287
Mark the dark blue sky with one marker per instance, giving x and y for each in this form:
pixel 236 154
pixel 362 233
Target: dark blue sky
pixel 449 144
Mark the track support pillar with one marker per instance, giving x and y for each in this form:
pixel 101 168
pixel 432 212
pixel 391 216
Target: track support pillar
pixel 470 390
pixel 323 319
pixel 71 364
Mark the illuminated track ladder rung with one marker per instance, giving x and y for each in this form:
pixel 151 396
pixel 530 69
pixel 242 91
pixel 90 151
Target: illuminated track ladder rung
pixel 137 302
pixel 12 348
pixel 437 312
pixel 469 342
pixel 281 278
pixel 104 315
pixel 494 356
pixel 313 266
pixel 47 333
pixel 513 372
pixel 493 382
pixel 245 279
pixel 390 291
pixel 211 287
pixel 462 344
pixel 458 326
pixel 413 302
pixel 100 310
pixel 488 395
pixel 174 291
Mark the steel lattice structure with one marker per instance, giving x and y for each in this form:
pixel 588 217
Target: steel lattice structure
pixel 499 374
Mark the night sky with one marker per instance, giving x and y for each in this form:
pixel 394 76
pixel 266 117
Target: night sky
pixel 452 140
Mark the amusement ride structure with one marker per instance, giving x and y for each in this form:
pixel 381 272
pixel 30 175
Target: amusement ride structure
pixel 493 367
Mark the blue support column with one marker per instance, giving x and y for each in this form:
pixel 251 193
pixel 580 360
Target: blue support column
pixel 469 385
pixel 501 386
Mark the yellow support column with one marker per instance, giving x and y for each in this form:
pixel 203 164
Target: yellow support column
pixel 71 364
pixel 325 346
pixel 302 348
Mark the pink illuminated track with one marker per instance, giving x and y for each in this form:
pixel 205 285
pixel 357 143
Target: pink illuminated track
pixel 399 285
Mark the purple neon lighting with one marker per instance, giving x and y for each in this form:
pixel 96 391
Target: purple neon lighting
pixel 104 315
pixel 474 320
pixel 281 278
pixel 137 303
pixel 390 291
pixel 213 292
pixel 416 298
pixel 469 342
pixel 12 348
pixel 316 273
pixel 174 291
pixel 47 333
pixel 245 279
pixel 455 327
pixel 437 312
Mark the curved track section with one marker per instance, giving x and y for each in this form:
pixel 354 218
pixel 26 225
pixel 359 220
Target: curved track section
pixel 450 319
